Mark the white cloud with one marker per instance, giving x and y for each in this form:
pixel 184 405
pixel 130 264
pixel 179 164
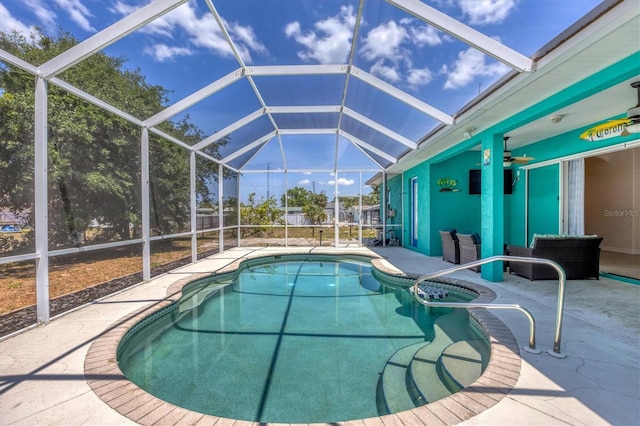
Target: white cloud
pixel 45 16
pixel 385 72
pixel 303 182
pixel 201 31
pixel 162 52
pixel 78 13
pixel 482 12
pixel 247 37
pixel 390 45
pixel 419 77
pixel 470 64
pixel 120 8
pixel 342 182
pixel 8 23
pixel 384 42
pixel 425 36
pixel 330 43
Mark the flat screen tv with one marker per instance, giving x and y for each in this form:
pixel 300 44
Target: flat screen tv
pixel 475 181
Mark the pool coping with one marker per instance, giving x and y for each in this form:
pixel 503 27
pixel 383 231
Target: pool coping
pixel 106 380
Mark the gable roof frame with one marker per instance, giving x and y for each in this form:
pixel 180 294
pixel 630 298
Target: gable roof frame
pixel 158 8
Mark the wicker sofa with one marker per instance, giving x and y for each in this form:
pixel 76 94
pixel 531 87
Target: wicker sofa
pixel 579 256
pixel 450 247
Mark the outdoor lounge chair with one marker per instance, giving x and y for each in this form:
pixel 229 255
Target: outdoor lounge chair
pixel 469 249
pixel 450 248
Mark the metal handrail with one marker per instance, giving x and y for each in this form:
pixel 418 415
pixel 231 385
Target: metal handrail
pixel 532 345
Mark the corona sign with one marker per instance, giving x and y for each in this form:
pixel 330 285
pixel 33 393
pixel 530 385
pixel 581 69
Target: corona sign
pixel 610 129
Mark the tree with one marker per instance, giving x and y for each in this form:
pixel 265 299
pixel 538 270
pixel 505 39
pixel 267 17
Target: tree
pixel 314 210
pixel 349 201
pixel 373 198
pixel 94 156
pixel 260 214
pixel 298 197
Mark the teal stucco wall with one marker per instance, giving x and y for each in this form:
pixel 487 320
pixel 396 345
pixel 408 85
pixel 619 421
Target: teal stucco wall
pixel 462 211
pixel 458 210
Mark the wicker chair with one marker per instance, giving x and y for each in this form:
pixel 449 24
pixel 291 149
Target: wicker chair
pixel 450 247
pixel 469 249
pixel 579 256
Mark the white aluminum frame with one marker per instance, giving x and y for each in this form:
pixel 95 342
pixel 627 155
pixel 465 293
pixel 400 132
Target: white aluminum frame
pixel 48 72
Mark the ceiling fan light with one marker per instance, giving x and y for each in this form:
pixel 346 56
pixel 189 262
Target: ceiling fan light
pixel 631 129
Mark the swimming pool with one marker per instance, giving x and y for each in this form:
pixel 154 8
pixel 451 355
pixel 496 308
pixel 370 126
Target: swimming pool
pixel 304 340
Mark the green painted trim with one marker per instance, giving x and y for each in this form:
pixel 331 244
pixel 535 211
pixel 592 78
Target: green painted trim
pixel 620 278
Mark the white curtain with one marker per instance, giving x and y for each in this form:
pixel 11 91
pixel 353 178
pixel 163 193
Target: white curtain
pixel 576 197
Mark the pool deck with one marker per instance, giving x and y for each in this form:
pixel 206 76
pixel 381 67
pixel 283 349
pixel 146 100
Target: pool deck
pixel 43 379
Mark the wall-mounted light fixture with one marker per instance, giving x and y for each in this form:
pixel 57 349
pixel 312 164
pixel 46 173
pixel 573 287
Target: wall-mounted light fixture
pixel 516 179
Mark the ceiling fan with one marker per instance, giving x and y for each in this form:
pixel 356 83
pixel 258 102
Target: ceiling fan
pixel 633 114
pixel 508 159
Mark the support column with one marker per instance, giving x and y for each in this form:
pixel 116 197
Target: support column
pixel 383 212
pixel 194 223
pixel 146 221
pixel 239 232
pixel 403 236
pixel 492 206
pixel 41 202
pixel 360 210
pixel 336 211
pixel 432 242
pixel 220 208
pixel 286 208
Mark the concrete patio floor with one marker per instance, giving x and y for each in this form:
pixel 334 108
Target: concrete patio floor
pixel 42 375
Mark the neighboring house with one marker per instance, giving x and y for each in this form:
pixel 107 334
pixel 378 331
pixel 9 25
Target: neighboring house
pixel 370 215
pixel 295 216
pixel 20 219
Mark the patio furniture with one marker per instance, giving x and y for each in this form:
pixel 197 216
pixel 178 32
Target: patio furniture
pixel 450 248
pixel 578 255
pixel 392 240
pixel 469 249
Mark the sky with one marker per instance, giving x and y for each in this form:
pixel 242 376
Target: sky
pixel 185 50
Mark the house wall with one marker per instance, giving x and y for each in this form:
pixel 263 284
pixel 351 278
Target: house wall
pixel 458 210
pixel 461 210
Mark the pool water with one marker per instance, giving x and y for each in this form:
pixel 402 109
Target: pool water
pixel 291 342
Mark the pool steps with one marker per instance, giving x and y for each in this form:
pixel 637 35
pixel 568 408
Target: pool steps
pixel 427 371
pixel 394 380
pixel 195 295
pixel 463 362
